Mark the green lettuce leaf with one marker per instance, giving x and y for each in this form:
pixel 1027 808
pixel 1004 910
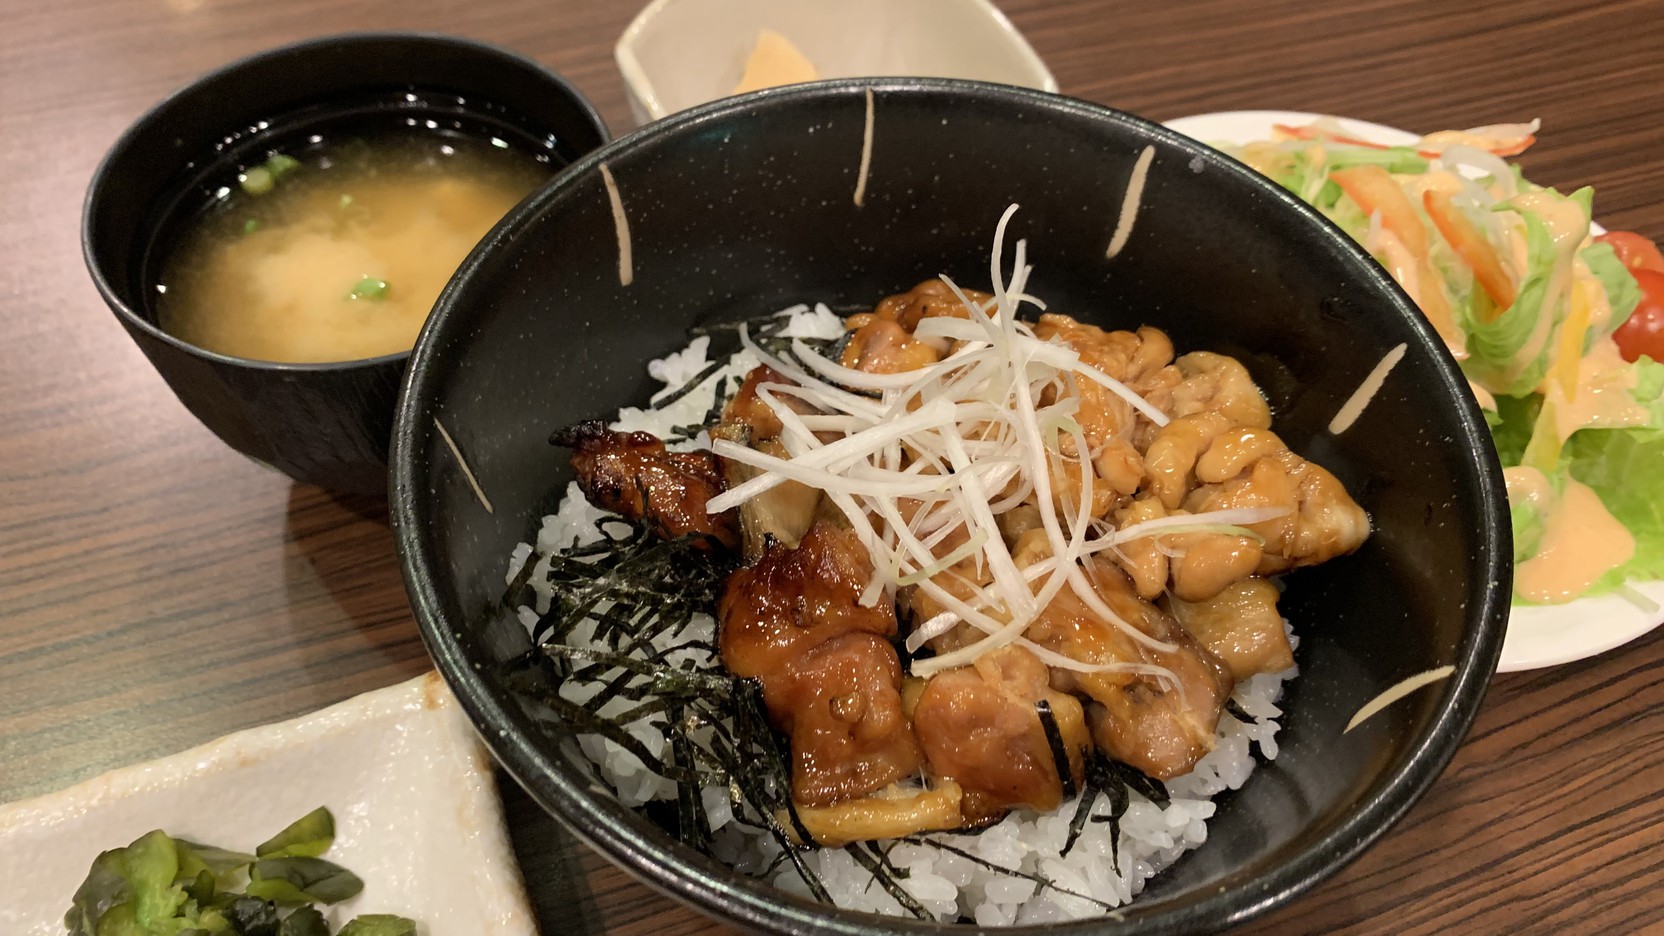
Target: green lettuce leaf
pixel 162 886
pixel 302 880
pixel 224 865
pixel 306 837
pixel 139 890
pixel 1623 294
pixel 1649 381
pixel 306 921
pixel 1515 418
pixel 152 863
pixel 379 924
pixel 1621 465
pixel 1649 390
pixel 1528 523
pixel 1493 346
pixel 107 886
pixel 251 916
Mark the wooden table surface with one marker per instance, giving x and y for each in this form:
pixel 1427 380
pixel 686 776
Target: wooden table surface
pixel 157 590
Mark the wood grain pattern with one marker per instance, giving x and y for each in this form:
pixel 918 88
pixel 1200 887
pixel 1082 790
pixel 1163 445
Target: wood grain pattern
pixel 156 590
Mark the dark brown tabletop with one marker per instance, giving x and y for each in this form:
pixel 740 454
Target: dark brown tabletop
pixel 158 590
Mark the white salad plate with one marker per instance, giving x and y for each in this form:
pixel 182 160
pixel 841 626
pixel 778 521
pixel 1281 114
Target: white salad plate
pixel 415 803
pixel 1538 635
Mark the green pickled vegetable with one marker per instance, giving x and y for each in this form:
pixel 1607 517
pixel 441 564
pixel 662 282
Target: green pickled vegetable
pixel 251 916
pixel 379 924
pixel 302 880
pixel 306 921
pixel 162 886
pixel 307 837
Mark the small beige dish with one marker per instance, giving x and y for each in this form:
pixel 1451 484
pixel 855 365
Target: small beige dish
pixel 678 53
pixel 416 814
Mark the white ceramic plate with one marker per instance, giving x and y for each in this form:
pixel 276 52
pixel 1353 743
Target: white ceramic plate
pixel 1537 635
pixel 416 814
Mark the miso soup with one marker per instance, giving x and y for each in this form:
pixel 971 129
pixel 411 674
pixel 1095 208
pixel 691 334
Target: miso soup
pixel 337 252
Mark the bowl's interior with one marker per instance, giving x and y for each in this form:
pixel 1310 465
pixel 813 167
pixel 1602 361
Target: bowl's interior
pixel 745 207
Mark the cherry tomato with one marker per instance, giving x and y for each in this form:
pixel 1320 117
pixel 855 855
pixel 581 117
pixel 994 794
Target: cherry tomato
pixel 1643 332
pixel 1635 251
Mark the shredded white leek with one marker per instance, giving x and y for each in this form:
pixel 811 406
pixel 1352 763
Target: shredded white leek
pixel 866 155
pixel 1230 521
pixel 621 227
pixel 1483 163
pixel 1130 202
pixel 931 629
pixel 1233 520
pixel 467 472
pixel 962 551
pixel 1361 397
pixel 1398 691
pixel 1637 598
pixel 923 463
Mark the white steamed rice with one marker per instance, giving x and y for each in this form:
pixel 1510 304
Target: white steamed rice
pixel 1084 883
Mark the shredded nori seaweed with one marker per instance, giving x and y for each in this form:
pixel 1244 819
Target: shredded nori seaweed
pixel 886 874
pixel 722 391
pixel 1118 803
pixel 651 586
pixel 1105 777
pixel 1237 712
pixel 1256 748
pixel 1040 880
pixel 1060 751
pixel 693 824
pixel 636 588
pixel 765 330
pixel 1139 782
pixel 690 386
pixel 1096 784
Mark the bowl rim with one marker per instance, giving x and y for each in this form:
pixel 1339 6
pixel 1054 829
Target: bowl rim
pixel 641 87
pixel 101 179
pixel 622 835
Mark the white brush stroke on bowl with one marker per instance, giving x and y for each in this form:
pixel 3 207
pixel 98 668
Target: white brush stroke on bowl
pixel 416 814
pixel 1538 635
pixel 678 53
